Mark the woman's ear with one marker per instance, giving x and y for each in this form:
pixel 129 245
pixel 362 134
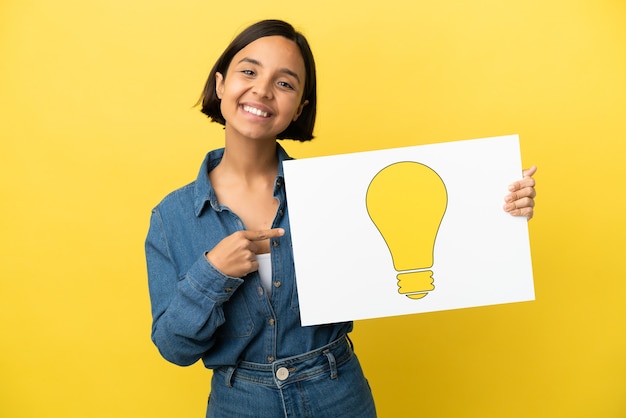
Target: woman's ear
pixel 219 85
pixel 299 110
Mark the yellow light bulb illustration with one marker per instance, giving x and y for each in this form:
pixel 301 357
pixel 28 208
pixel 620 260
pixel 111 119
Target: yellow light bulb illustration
pixel 407 201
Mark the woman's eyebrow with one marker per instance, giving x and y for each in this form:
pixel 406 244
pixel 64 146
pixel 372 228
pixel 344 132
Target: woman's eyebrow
pixel 282 70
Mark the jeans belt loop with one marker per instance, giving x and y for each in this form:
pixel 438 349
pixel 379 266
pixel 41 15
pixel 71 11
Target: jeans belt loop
pixel 332 362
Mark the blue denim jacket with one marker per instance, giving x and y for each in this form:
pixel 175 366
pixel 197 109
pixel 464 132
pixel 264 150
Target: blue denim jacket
pixel 198 312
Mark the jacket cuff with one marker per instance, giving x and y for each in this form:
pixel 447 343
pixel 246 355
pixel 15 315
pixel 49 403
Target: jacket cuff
pixel 211 282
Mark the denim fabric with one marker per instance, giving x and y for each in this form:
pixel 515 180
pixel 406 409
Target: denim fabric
pixel 327 382
pixel 200 313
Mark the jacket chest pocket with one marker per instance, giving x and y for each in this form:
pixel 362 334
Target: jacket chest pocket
pixel 238 320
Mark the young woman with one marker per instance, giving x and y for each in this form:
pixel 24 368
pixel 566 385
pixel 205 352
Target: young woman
pixel 220 266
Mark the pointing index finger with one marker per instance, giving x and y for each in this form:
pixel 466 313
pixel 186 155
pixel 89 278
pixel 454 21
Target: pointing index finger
pixel 264 234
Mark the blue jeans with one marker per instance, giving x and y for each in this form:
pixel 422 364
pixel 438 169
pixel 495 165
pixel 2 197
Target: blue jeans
pixel 327 382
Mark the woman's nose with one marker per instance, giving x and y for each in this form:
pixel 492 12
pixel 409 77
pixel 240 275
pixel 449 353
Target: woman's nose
pixel 263 88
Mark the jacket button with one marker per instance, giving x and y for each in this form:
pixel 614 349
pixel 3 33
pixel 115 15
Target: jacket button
pixel 228 289
pixel 272 321
pixel 270 359
pixel 277 283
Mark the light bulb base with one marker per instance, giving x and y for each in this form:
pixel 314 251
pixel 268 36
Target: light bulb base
pixel 415 284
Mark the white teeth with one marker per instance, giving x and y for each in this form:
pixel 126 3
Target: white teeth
pixel 255 111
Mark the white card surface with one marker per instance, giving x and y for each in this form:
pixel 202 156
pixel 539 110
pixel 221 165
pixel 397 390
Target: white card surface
pixel 407 230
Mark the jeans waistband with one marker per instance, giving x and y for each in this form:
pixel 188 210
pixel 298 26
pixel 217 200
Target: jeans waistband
pixel 287 370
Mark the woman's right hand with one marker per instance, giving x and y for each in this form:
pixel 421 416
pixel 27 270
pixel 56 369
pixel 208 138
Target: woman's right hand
pixel 235 255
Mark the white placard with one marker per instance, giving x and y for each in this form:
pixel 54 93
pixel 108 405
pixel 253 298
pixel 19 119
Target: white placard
pixel 351 266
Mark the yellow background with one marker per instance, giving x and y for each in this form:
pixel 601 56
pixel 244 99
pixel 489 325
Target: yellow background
pixel 97 124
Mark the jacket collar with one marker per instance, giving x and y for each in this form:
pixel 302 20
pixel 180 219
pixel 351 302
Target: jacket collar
pixel 204 193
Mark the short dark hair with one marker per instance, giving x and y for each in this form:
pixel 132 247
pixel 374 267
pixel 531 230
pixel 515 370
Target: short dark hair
pixel 302 128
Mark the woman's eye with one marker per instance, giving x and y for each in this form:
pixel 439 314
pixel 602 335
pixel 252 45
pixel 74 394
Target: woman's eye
pixel 248 72
pixel 285 85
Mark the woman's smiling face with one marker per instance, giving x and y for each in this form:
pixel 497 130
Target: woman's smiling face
pixel 261 93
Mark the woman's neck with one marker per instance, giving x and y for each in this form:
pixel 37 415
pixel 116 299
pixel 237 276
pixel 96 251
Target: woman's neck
pixel 250 159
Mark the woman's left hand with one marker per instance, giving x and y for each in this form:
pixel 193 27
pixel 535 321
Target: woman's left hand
pixel 521 200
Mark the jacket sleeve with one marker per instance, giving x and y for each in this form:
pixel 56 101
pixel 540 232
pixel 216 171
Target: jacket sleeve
pixel 187 309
